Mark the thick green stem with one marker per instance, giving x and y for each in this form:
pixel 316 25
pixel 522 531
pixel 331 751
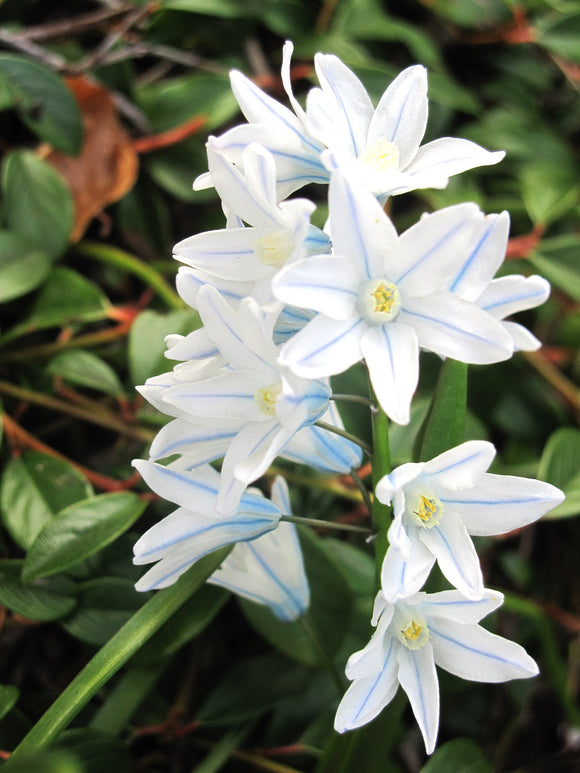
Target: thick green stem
pixel 115 653
pixel 132 265
pixel 381 466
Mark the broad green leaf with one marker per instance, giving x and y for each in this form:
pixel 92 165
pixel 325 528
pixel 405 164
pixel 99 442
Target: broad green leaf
pixel 147 341
pixel 66 297
pixel 458 756
pixel 196 615
pixel 560 465
pixel 37 202
pixel 104 605
pixel 251 687
pixel 8 697
pixel 444 425
pixel 23 266
pixel 324 625
pixel 39 600
pixel 97 752
pixel 560 34
pixel 80 531
pixel 229 9
pixel 557 260
pixel 548 191
pixel 33 489
pixel 78 366
pixel 44 102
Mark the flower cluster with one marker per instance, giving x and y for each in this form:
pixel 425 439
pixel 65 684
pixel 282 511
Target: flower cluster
pixel 284 307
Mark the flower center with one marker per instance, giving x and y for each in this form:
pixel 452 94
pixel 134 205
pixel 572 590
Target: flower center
pixel 379 301
pixel 415 635
pixel 429 511
pixel 265 398
pixel 275 248
pixel 381 155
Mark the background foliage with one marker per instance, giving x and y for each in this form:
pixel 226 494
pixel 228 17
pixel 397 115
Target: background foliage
pixel 105 111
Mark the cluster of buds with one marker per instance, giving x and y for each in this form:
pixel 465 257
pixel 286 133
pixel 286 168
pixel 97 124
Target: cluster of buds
pixel 284 307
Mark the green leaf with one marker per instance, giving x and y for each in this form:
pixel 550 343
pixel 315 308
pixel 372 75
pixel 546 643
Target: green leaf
pixel 44 102
pixel 458 756
pixel 8 697
pixel 560 465
pixel 80 531
pixel 34 487
pixel 196 615
pixel 548 191
pixel 66 297
pixel 104 605
pixel 23 266
pixel 557 260
pixel 37 202
pixel 97 752
pixel 45 762
pixel 78 366
pixel 560 35
pixel 228 9
pixel 147 341
pixel 327 616
pixel 444 425
pixel 39 600
pixel 251 687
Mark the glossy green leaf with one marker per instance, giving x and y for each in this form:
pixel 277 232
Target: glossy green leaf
pixel 8 697
pixel 44 102
pixel 23 266
pixel 37 202
pixel 80 531
pixel 251 687
pixel 66 297
pixel 458 756
pixel 444 425
pixel 42 600
pixel 34 487
pixel 104 605
pixel 77 366
pixel 320 632
pixel 560 465
pixel 147 341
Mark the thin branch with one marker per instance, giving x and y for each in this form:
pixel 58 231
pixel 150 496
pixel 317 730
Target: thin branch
pixel 353 399
pixel 13 40
pixel 141 49
pixel 347 435
pixel 77 24
pixel 363 490
pixel 321 524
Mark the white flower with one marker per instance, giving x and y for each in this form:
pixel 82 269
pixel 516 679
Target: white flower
pixel 194 529
pixel 380 297
pixel 413 636
pixel 473 280
pixel 238 260
pixel 381 146
pixel 269 570
pixel 439 503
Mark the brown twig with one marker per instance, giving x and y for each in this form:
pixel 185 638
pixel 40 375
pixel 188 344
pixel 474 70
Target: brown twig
pixel 521 246
pixel 77 24
pixel 171 136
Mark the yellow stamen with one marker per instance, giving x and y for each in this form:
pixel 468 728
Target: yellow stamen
pixel 385 298
pixel 266 397
pixel 381 156
pixel 413 632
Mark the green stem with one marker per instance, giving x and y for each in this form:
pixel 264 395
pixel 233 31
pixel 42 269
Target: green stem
pixel 318 522
pixel 343 433
pixel 326 659
pixel 353 399
pixel 381 466
pixel 115 653
pixel 113 256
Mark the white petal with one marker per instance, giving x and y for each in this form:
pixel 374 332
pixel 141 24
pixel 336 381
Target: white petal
pixel 401 576
pixel 367 697
pixel 359 227
pixel 324 347
pixel 323 450
pixel 457 558
pixel 326 284
pixel 229 395
pixel 228 253
pixel 418 679
pixel 354 107
pixel 258 107
pixel 429 251
pixel 510 294
pixel 389 484
pixel 401 115
pixel 194 346
pixel 483 259
pixel 523 340
pixel 498 504
pixel 461 466
pixel 202 443
pixel 391 353
pixel 194 491
pixel 372 658
pixel 447 156
pixel 453 605
pixel 452 327
pixel 287 51
pixel 471 652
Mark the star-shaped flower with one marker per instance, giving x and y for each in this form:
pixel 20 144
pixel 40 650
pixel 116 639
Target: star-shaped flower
pixel 439 503
pixel 411 638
